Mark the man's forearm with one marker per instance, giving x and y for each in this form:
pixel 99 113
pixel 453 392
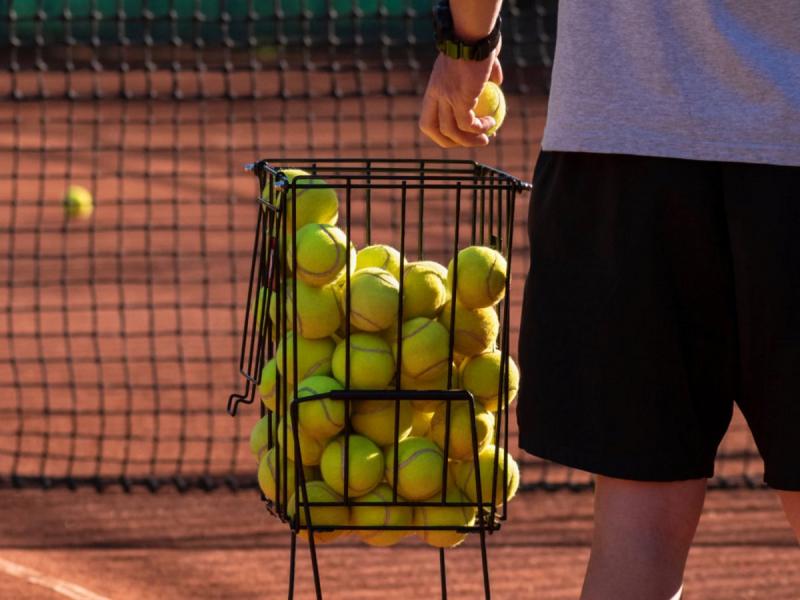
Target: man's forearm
pixel 474 19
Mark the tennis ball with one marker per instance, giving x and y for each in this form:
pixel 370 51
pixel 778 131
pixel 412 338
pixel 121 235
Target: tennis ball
pixel 425 349
pixel 259 436
pixel 420 423
pixel 424 289
pixel 319 312
pixel 476 329
pixel 481 276
pixel 365 465
pixel 381 516
pixel 267 389
pixel 310 447
pixel 464 474
pixel 381 256
pixel 419 469
pixel 374 298
pixel 371 362
pixel 331 516
pixel 481 376
pixel 313 357
pixel 314 205
pixel 78 203
pixel 322 418
pixel 460 446
pixel 440 383
pixel 321 254
pixel 273 472
pixel 375 419
pixel 445 515
pixel 491 103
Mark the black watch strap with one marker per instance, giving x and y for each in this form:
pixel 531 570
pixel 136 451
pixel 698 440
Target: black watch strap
pixel 447 43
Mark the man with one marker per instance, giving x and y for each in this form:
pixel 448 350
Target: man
pixel 665 256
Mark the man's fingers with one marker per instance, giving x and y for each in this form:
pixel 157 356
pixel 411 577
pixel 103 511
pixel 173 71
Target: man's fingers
pixel 429 123
pixel 469 123
pixel 449 127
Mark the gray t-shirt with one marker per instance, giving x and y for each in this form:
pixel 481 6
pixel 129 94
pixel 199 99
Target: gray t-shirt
pixel 697 79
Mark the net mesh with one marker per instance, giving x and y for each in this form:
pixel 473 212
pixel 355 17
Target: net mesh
pixel 119 335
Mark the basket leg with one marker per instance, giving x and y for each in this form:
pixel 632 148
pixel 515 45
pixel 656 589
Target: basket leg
pixel 487 589
pixel 312 548
pixel 292 554
pixel 443 573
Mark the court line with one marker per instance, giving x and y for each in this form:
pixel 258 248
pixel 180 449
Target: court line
pixel 59 586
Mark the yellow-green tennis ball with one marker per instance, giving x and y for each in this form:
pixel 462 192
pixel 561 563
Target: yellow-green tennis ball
pixel 313 357
pixel 371 362
pixel 424 289
pixel 319 313
pixel 78 203
pixel 331 516
pixel 259 436
pixel 322 418
pixel 507 474
pixel 274 471
pixel 321 254
pixel 480 375
pixel 460 447
pixel 420 423
pixel 365 465
pixel 375 419
pixel 381 516
pixel 381 256
pixel 267 388
pixel 445 515
pixel 420 467
pixel 374 298
pixel 424 349
pixel 491 103
pixel 310 447
pixel 314 204
pixel 440 383
pixel 481 276
pixel 476 329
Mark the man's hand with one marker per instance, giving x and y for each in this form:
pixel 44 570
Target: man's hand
pixel 447 115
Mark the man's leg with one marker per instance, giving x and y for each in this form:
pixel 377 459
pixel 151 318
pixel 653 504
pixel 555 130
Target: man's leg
pixel 791 505
pixel 642 535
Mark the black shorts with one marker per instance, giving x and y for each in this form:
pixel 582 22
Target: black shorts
pixel 661 291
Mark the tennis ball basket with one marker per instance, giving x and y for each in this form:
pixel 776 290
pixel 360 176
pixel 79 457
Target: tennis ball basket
pixel 376 345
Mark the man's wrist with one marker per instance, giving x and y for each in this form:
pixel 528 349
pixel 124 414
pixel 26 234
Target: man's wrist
pixel 450 42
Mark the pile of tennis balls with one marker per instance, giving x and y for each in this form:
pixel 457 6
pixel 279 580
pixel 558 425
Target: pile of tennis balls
pixel 319 283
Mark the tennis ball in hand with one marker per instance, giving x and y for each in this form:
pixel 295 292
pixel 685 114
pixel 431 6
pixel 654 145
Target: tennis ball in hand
pixel 322 418
pixel 371 362
pixel 491 103
pixel 424 289
pixel 310 447
pixel 372 516
pixel 424 349
pixel 78 203
pixel 321 254
pixel 374 298
pixel 375 419
pixel 419 470
pixel 381 256
pixel 481 276
pixel 480 375
pixel 460 443
pixel 476 328
pixel 365 470
pixel 267 389
pixel 319 312
pixel 445 515
pixel 318 491
pixel 507 474
pixel 314 204
pixel 313 357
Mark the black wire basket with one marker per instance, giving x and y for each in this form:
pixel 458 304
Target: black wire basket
pixel 431 210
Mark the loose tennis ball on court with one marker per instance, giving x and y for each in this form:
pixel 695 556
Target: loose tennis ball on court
pixel 420 423
pixel 371 362
pixel 424 349
pixel 424 289
pixel 375 419
pixel 460 446
pixel 475 331
pixel 507 474
pixel 491 103
pixel 365 465
pixel 480 375
pixel 322 418
pixel 310 447
pixel 481 276
pixel 314 204
pixel 381 516
pixel 259 436
pixel 381 256
pixel 319 313
pixel 274 469
pixel 78 203
pixel 374 298
pixel 321 254
pixel 444 515
pixel 313 357
pixel 331 516
pixel 420 467
pixel 267 389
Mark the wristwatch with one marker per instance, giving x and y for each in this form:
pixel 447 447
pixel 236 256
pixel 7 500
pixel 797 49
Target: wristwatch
pixel 447 42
